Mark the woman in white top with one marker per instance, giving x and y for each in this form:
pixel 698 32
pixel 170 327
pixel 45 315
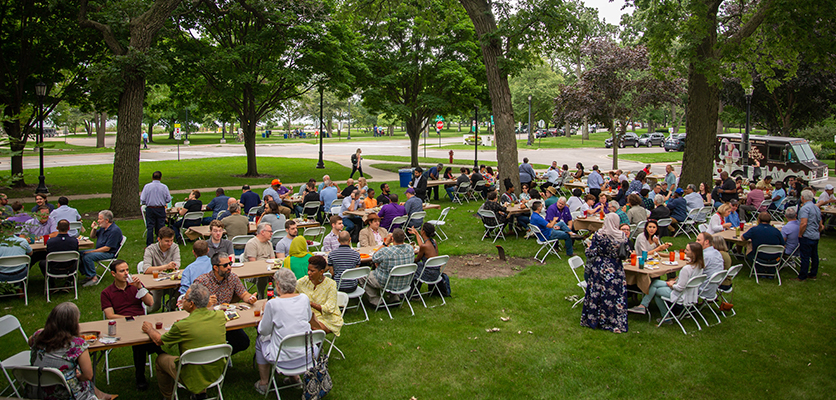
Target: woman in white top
pixel 718 223
pixel 575 203
pixel 649 242
pixel 288 314
pixel 673 288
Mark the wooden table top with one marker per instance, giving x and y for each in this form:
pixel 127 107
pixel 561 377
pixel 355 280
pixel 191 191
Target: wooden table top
pixel 729 234
pixel 253 269
pixel 440 182
pixel 366 211
pixel 82 244
pixel 203 230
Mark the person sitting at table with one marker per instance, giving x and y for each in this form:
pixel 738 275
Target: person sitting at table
pixel 678 206
pixel 226 212
pixel 224 287
pixel 575 202
pixel 753 200
pixel 328 194
pixel 627 231
pixel 390 211
pixel 719 244
pixel 61 242
pixel 715 198
pixel 660 211
pixel 475 177
pixel 649 242
pixel 621 194
pixel 331 240
pixel 362 184
pixel 64 211
pixel 790 230
pixel 370 201
pixel 551 196
pixel 218 204
pixel 373 235
pixel 383 198
pixel 201 265
pixel 734 216
pixel 635 212
pixel 588 204
pixel 297 257
pixel 763 233
pixel 14 246
pixel 637 184
pixel 344 258
pixel 160 257
pixel 579 171
pixel 271 214
pixel 41 200
pixel 201 328
pixel 287 314
pixel 716 223
pixel 413 205
pixel 647 201
pixel 235 223
pixel 501 213
pixel 712 259
pixel 352 223
pixel 525 195
pixel 260 248
pixel 6 210
pixel 217 243
pixel 322 293
pixel 613 207
pixel 42 225
pixel 778 196
pixel 509 196
pixel 605 303
pixel 673 288
pixel 125 298
pixel 58 345
pixel 19 215
pixel 107 245
pixel 526 172
pixel 551 229
pixel 193 204
pixel 704 192
pixel 552 177
pixel 397 253
pixel 427 248
pixel 561 211
pixel 249 199
pixel 310 196
pixel 490 178
pixel 283 246
pixel 602 204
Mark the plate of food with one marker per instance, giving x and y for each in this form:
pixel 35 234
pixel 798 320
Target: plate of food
pixel 365 256
pixel 237 265
pixel 671 263
pixel 270 260
pixel 90 336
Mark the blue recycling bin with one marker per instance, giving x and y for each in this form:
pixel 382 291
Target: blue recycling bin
pixel 406 176
pixel 285 135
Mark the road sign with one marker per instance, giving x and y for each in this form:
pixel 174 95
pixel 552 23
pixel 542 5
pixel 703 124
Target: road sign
pixel 439 118
pixel 177 134
pixel 439 125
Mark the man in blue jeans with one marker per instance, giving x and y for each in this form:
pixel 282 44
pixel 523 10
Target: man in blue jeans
pixel 108 238
pixel 554 229
pixel 809 229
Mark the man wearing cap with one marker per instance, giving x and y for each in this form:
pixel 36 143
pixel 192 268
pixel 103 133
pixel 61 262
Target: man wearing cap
pixel 826 197
pixel 373 235
pixel 419 183
pixel 433 174
pixel 551 196
pixel 248 199
pixel 272 190
pixel 284 193
pixel 155 196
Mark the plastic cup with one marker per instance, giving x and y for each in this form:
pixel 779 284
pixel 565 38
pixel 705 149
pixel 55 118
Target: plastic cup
pixel 742 225
pixel 682 255
pixel 156 274
pixel 673 256
pixel 231 258
pixel 46 237
pixel 633 260
pixel 159 325
pixel 257 313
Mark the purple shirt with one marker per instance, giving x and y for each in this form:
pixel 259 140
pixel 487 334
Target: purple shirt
pixel 35 227
pixel 553 211
pixel 281 191
pixel 388 212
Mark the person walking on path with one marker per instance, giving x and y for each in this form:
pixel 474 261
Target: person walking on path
pixel 356 163
pixel 144 140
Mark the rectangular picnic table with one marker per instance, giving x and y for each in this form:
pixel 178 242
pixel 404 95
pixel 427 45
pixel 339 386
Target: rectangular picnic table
pixel 431 183
pixel 82 244
pixel 732 239
pixel 366 211
pixel 642 277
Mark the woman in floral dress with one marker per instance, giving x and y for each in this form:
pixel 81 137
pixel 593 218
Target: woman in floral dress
pixel 605 304
pixel 58 345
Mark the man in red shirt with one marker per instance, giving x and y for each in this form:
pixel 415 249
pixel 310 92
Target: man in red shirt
pixel 124 299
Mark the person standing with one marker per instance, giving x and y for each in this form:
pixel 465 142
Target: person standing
pixel 605 303
pixel 155 196
pixel 356 163
pixel 670 177
pixel 434 174
pixel 419 183
pixel 64 211
pixel 527 174
pixel 145 140
pixel 810 227
pixel 594 181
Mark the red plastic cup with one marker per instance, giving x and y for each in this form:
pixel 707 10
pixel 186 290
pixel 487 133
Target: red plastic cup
pixel 741 226
pixel 231 258
pixel 602 215
pixel 159 325
pixel 633 259
pixel 46 237
pixel 682 255
pixel 673 256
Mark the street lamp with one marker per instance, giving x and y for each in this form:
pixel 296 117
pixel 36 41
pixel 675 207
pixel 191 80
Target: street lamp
pixel 476 138
pixel 744 153
pixel 349 118
pixel 321 163
pixel 529 120
pixel 40 91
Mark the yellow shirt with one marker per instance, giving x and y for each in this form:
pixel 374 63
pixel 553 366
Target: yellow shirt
pixel 325 294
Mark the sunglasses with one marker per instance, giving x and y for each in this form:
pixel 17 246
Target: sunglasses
pixel 224 265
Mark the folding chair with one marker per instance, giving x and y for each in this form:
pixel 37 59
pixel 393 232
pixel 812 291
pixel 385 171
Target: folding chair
pixel 441 221
pixel 333 209
pixel 663 224
pixel 311 209
pixel 8 324
pixel 399 222
pixel 254 212
pixel 399 284
pixel 342 302
pixel 478 189
pixel 550 245
pixel 576 262
pixel 179 204
pixel 733 271
pixel 107 368
pixel 492 225
pixel 278 234
pixel 790 261
pixel 688 300
pixel 202 356
pixel 353 275
pixel 62 257
pixel 422 215
pixel 196 217
pixel 77 226
pixel 293 343
pixel 637 230
pixel 16 265
pixel 106 262
pixel 687 226
pixel 438 262
pixel 314 234
pixel 241 240
pixel 711 298
pixel 768 251
pixel 41 377
pixel 144 223
pixel 461 192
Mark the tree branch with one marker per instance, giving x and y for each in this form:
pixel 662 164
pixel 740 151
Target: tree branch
pixel 751 25
pixel 107 33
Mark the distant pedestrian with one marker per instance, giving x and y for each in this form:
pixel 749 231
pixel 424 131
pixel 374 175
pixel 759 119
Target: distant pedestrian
pixel 145 140
pixel 356 163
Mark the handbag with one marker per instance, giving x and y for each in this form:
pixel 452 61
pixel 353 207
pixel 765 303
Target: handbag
pixel 316 382
pixel 624 250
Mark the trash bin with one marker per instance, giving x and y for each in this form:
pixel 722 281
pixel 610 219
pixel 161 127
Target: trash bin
pixel 285 135
pixel 264 134
pixel 406 176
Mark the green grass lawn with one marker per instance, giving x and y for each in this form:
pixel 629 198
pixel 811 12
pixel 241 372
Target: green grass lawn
pixel 435 160
pixel 665 157
pixel 52 148
pixel 779 345
pixel 186 174
pixel 573 142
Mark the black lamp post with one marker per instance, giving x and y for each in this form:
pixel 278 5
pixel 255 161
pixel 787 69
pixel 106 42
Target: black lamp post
pixel 349 118
pixel 476 139
pixel 321 163
pixel 529 120
pixel 40 90
pixel 744 151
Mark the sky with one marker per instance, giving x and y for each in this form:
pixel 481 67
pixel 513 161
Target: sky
pixel 609 10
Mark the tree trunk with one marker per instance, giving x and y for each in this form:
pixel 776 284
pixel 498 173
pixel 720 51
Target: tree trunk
pixel 125 193
pixel 506 144
pixel 248 123
pixel 88 126
pixel 615 142
pixel 719 121
pixel 413 130
pixel 150 132
pixel 701 123
pixel 13 130
pixel 391 130
pixel 101 128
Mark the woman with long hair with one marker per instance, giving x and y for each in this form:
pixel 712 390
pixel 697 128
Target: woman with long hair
pixel 673 288
pixel 605 304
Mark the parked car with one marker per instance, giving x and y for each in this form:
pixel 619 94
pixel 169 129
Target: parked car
pixel 629 139
pixel 652 139
pixel 676 142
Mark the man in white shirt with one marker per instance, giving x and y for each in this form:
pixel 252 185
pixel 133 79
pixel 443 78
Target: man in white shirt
pixel 825 198
pixel 260 248
pixel 713 262
pixel 64 211
pixel 692 198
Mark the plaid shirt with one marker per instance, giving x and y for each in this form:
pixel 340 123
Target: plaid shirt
pixel 390 257
pixel 226 289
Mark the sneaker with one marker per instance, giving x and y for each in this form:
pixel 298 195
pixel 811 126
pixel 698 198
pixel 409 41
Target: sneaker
pixel 91 282
pixel 668 321
pixel 639 309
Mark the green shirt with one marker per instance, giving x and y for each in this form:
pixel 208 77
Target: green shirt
pixel 203 327
pixel 550 201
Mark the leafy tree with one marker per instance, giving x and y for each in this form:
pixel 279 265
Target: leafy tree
pixel 542 84
pixel 618 85
pixel 422 60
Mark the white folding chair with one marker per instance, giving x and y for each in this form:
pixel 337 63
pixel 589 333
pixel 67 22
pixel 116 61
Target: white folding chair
pixel 254 212
pixel 769 251
pixel 688 300
pixel 43 377
pixel 342 302
pixel 663 225
pixel 438 262
pixel 77 226
pixel 179 204
pixel 687 226
pixel 194 216
pixel 278 234
pixel 107 368
pixel 62 257
pixel 733 271
pixel 711 298
pixel 547 244
pixel 461 193
pixel 311 209
pixel 441 221
pixel 202 356
pixel 9 324
pixel 790 261
pixel 492 225
pixel 399 222
pixel 754 217
pixel 15 265
pixel 637 230
pixel 576 262
pixel 353 275
pixel 106 262
pixel 315 234
pixel 478 189
pixel 292 344
pixel 144 223
pixel 241 240
pixel 399 283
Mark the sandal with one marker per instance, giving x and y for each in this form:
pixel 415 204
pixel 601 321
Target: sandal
pixel 290 380
pixel 261 389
